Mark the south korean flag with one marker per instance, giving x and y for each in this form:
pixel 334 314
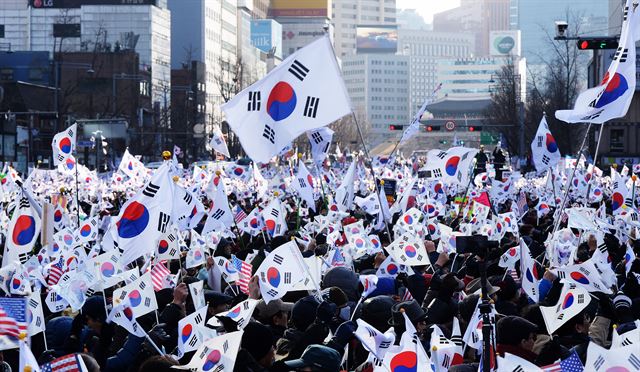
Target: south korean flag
pixel 168 246
pixel 140 294
pixel 145 217
pixel 573 300
pixel 303 184
pixel 320 140
pixel 544 148
pixel 88 230
pixel 64 144
pixel 240 314
pixel 303 93
pixel 189 335
pixel 280 271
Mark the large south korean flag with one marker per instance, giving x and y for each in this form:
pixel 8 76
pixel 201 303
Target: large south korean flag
pixel 303 93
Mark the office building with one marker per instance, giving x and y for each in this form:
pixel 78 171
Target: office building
pixel 348 14
pixel 302 22
pixel 378 85
pixel 94 25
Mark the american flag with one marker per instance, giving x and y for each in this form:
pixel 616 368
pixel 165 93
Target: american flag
pixel 514 274
pixel 571 364
pixel 158 274
pixel 55 272
pixel 406 296
pixel 245 273
pixel 67 363
pixel 238 214
pixel 13 316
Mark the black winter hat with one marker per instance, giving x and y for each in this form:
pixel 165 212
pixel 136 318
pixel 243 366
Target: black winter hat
pixel 253 340
pixel 513 329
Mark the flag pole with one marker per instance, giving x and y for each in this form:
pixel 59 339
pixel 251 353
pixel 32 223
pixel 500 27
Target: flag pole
pixel 373 174
pixel 595 160
pixel 573 173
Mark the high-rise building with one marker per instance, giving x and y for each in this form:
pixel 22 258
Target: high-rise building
pixel 378 85
pixel 425 49
pixel 411 19
pixel 302 22
pixel 206 31
pixel 478 17
pixel 348 14
pixel 260 8
pixel 536 19
pixel 99 26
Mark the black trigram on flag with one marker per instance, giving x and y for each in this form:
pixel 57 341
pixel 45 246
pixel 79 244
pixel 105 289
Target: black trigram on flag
pixel 441 155
pixel 561 316
pixel 599 362
pixel 187 198
pixel 539 140
pixel 437 173
pixel 635 361
pixel 163 222
pixel 385 344
pixel 198 319
pixel 371 332
pixel 225 346
pixel 581 298
pixel 278 259
pixel 317 138
pixel 303 183
pixel 446 360
pixel 272 293
pixel 621 54
pixel 217 214
pixel 171 237
pixel 254 101
pixel 275 213
pixel 33 304
pixel 245 306
pixel 24 203
pixel 193 341
pixel 269 134
pixel 298 70
pixel 311 107
pixel 546 159
pixel 287 278
pixel 150 190
pixel 143 285
pixel 518 369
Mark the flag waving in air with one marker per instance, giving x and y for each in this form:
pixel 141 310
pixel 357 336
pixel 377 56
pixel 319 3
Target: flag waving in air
pixel 23 231
pixel 280 271
pixel 64 144
pixel 218 143
pixel 303 93
pixel 612 98
pixel 145 217
pixel 544 148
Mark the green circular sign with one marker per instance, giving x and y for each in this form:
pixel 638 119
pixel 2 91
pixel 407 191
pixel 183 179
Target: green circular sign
pixel 504 44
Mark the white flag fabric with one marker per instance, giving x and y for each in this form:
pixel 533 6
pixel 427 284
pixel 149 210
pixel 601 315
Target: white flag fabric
pixel 280 271
pixel 612 98
pixel 452 166
pixel 625 358
pixel 88 230
pixel 108 270
pixel 220 215
pixel 345 193
pixel 253 223
pixel 37 323
pixel 473 334
pixel 320 140
pixel 374 341
pixel 140 295
pixel 584 274
pixel 122 315
pixel 27 361
pixel 145 217
pixel 216 354
pixel 303 184
pixel 572 301
pixel 196 290
pixel 131 166
pixel 189 337
pixel 408 250
pixel 218 143
pixel 241 314
pixel 529 269
pixel 64 144
pixel 274 218
pixel 544 149
pixel 303 93
pixel 513 363
pixel 24 229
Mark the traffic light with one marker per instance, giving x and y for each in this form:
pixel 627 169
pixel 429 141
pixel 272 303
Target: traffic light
pixel 587 44
pixel 432 128
pixel 396 127
pixel 473 128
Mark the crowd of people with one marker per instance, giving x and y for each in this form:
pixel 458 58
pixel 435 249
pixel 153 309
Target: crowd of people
pixel 320 328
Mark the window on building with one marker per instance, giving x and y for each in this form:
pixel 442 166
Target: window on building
pixel 1 31
pixel 616 140
pixel 66 30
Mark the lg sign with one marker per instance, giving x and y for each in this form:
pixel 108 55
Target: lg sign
pixel 79 3
pixel 43 3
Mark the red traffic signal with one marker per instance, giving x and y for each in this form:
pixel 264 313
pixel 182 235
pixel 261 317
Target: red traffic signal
pixel 587 44
pixel 396 127
pixel 474 128
pixel 432 128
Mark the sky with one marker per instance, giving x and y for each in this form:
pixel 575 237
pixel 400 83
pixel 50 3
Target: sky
pixel 427 8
